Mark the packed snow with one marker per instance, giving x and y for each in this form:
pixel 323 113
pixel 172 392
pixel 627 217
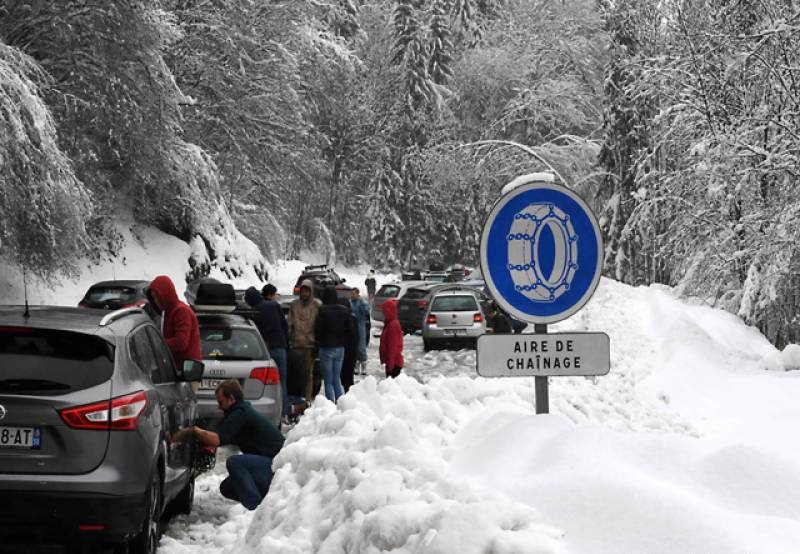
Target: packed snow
pixel 687 445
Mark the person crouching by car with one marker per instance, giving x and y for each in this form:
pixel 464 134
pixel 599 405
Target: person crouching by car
pixel 332 331
pixel 249 473
pixel 178 322
pixel 391 345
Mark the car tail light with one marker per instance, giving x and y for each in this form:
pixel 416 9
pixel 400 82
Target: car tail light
pixel 137 304
pixel 267 375
pixel 431 320
pixel 296 290
pixel 15 330
pixel 422 304
pixel 91 527
pixel 477 318
pixel 121 413
pixel 83 304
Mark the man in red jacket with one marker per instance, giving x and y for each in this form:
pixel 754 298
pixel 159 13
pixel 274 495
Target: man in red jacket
pixel 391 345
pixel 178 322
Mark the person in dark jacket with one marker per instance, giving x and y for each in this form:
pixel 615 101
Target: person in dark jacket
pixel 391 345
pixel 271 324
pixel 249 473
pixel 332 331
pixel 178 322
pixel 499 321
pixel 350 350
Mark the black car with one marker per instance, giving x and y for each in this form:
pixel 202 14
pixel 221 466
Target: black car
pixel 114 295
pixel 88 402
pixel 412 306
pixel 323 276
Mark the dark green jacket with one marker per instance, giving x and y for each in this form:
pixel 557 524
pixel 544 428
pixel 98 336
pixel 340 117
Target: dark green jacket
pixel 249 430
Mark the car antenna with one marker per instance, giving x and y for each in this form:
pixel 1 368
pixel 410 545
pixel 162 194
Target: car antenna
pixel 27 313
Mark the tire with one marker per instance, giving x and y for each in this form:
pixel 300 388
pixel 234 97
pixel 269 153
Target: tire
pixel 426 345
pixel 182 504
pixel 146 542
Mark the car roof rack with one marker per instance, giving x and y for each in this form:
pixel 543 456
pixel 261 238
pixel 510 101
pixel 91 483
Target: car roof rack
pixel 320 266
pixel 118 314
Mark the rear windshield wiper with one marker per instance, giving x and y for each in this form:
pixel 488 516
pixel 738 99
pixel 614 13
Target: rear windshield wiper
pixel 232 358
pixel 14 385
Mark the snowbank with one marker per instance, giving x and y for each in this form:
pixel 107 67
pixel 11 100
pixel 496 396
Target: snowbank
pixel 686 446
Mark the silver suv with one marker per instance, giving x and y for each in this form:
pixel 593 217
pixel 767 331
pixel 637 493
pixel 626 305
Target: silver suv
pixel 234 349
pixel 453 316
pixel 88 402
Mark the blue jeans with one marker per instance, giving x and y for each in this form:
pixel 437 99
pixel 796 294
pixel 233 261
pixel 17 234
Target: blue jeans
pixel 249 476
pixel 362 341
pixel 282 362
pixel 330 359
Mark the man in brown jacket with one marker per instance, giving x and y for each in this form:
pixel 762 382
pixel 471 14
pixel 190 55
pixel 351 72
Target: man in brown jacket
pixel 302 316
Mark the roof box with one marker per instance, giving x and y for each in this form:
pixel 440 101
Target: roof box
pixel 215 297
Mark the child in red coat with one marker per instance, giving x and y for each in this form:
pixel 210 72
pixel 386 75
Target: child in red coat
pixel 391 345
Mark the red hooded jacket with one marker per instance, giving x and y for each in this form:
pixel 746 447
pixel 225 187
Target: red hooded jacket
pixel 391 346
pixel 180 328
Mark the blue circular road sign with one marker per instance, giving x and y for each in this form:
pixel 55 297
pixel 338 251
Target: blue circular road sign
pixel 541 252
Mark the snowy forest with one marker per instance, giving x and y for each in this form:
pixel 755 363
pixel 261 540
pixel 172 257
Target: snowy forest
pixel 381 131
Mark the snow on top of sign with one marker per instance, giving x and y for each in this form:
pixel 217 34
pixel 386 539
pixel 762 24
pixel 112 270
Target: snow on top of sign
pixel 529 178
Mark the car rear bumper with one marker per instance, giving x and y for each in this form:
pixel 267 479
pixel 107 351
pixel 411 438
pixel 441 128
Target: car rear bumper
pixel 58 517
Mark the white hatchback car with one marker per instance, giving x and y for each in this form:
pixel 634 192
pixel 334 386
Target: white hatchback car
pixel 454 316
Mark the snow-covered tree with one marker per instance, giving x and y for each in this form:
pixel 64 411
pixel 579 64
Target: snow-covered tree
pixel 44 205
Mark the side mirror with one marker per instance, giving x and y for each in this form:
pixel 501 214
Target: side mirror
pixel 192 370
pixel 343 279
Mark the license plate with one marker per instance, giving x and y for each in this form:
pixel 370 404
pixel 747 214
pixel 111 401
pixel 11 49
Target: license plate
pixel 210 383
pixel 455 332
pixel 20 437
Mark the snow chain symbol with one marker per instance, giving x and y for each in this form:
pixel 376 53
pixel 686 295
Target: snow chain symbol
pixel 525 245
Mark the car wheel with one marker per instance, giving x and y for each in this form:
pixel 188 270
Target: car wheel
pixel 182 504
pixel 146 542
pixel 426 345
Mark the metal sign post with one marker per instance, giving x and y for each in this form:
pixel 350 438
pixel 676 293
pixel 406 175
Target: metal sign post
pixel 541 383
pixel 541 256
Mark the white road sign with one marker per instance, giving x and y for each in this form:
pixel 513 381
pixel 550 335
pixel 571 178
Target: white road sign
pixel 541 355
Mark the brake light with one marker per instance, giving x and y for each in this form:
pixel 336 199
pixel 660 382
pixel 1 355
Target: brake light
pixel 119 414
pixel 296 290
pixel 267 375
pixel 15 330
pixel 477 318
pixel 431 320
pixel 83 304
pixel 422 304
pixel 89 527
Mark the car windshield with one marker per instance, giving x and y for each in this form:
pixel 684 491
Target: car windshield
pixel 111 294
pixel 463 303
pixel 230 343
pixel 388 291
pixel 45 361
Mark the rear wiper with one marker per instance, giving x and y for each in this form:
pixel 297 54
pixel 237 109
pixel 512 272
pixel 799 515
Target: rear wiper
pixel 12 385
pixel 232 358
